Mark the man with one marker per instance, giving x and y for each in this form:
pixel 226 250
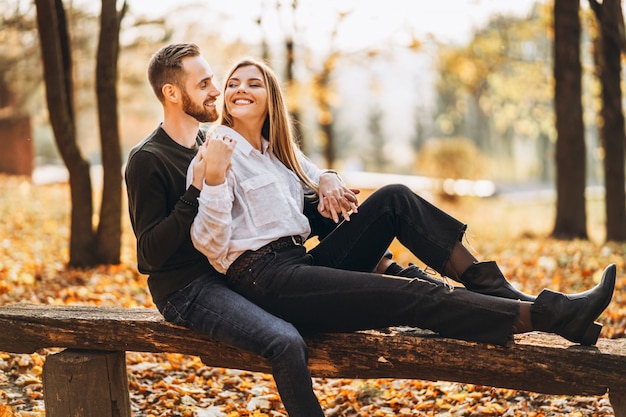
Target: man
pixel 183 285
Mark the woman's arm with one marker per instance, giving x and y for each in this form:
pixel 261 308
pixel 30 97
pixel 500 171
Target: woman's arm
pixel 335 199
pixel 211 228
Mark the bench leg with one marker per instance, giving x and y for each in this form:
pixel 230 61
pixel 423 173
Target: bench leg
pixel 618 402
pixel 86 383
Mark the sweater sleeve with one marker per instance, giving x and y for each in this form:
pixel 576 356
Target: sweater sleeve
pixel 160 231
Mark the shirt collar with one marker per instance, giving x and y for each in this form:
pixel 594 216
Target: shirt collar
pixel 243 145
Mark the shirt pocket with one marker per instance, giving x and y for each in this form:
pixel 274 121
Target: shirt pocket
pixel 264 199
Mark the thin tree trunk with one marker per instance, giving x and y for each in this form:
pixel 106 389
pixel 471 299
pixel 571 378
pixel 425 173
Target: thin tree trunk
pixel 325 118
pixel 608 64
pixel 56 56
pixel 291 83
pixel 109 227
pixel 571 216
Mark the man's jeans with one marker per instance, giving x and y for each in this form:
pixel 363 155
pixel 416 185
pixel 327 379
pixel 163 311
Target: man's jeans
pixel 330 288
pixel 207 305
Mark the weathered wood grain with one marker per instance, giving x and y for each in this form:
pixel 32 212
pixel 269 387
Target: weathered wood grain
pixel 86 383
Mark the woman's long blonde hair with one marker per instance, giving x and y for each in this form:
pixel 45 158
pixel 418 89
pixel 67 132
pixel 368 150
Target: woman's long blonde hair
pixel 277 127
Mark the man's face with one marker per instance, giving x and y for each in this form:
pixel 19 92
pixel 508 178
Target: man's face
pixel 199 94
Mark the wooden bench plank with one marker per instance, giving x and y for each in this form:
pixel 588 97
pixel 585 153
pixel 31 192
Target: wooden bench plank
pixel 535 362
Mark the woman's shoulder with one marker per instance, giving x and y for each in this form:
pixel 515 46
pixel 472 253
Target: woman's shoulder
pixel 243 145
pixel 225 130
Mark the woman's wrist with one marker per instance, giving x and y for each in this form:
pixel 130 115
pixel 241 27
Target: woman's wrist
pixel 332 172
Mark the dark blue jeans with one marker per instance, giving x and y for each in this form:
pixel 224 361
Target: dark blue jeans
pixel 330 288
pixel 209 306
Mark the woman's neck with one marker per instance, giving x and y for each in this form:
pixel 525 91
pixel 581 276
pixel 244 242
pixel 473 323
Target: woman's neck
pixel 251 132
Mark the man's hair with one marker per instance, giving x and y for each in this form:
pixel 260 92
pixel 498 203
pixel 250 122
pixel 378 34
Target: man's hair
pixel 166 66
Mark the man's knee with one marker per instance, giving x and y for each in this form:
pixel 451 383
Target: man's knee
pixel 288 342
pixel 293 339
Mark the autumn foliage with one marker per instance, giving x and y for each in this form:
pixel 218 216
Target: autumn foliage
pixel 34 253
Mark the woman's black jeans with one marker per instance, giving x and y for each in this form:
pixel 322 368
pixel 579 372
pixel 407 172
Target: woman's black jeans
pixel 328 289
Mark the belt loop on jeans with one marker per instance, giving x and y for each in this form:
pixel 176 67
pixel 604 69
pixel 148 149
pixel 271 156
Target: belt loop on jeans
pixel 246 259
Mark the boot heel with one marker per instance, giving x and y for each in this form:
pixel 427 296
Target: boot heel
pixel 591 334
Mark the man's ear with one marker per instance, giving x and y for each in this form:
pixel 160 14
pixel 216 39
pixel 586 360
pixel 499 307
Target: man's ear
pixel 171 93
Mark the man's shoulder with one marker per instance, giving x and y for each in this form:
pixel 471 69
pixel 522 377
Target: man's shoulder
pixel 146 156
pixel 155 149
pixel 151 144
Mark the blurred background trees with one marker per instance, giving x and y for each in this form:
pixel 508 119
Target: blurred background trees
pixel 609 44
pixel 571 220
pixel 88 245
pixel 19 55
pixel 484 108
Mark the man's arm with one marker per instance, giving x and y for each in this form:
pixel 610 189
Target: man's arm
pixel 160 231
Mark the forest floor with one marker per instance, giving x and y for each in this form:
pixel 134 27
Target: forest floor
pixel 514 232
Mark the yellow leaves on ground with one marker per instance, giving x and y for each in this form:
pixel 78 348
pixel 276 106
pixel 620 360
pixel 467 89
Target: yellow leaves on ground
pixel 6 411
pixel 34 234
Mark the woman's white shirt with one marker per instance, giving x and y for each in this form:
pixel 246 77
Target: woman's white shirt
pixel 260 201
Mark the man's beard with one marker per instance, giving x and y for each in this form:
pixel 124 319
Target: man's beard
pixel 201 113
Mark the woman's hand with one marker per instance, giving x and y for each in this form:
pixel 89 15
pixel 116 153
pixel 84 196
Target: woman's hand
pixel 335 198
pixel 216 158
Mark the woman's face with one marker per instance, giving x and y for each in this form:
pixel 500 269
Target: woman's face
pixel 245 95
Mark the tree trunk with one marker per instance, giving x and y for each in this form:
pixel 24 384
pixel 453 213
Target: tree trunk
pixel 56 57
pixel 292 84
pixel 571 218
pixel 109 228
pixel 329 142
pixel 608 52
pixel 325 118
pixel 292 96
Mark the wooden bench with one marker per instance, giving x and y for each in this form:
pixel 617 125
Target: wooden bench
pixel 96 339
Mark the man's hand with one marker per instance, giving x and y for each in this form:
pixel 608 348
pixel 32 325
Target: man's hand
pixel 336 199
pixel 198 168
pixel 216 158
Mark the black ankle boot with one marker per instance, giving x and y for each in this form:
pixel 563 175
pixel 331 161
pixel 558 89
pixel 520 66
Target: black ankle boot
pixel 486 278
pixel 572 316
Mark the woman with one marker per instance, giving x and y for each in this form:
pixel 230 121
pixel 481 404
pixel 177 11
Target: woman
pixel 250 226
